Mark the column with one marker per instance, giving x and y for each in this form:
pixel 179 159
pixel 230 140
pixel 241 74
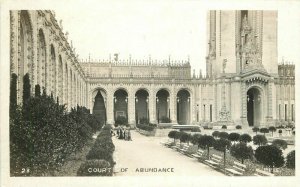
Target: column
pixel 152 106
pixel 131 108
pixel 110 107
pixel 173 103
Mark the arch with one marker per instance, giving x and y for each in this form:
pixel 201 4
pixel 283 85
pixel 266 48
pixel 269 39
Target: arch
pixel 52 69
pixel 255 100
pixel 42 60
pixel 120 104
pixel 183 106
pixel 99 105
pixel 162 105
pixel 25 61
pixel 141 106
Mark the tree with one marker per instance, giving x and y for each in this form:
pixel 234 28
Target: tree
pixel 26 88
pixel 270 156
pixel 223 135
pixel 222 145
pixel 172 134
pixel 272 129
pixel 195 139
pixel 290 160
pixel 246 138
pixel 37 90
pixel 233 136
pixel 215 134
pixel 238 127
pixel 255 129
pixel 185 137
pixel 260 140
pixel 281 144
pixel 13 94
pixel 241 151
pixel 206 142
pixel 264 130
pixel 224 127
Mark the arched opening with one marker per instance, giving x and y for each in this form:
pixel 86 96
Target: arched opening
pixel 141 106
pixel 53 71
pixel 183 107
pixel 162 106
pixel 121 105
pixel 99 108
pixel 254 110
pixel 41 65
pixel 25 56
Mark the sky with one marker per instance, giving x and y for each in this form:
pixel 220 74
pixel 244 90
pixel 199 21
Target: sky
pixel 158 29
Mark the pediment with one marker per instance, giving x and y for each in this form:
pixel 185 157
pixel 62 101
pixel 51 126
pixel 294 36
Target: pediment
pixel 256 74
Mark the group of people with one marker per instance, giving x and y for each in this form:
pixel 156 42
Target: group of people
pixel 123 133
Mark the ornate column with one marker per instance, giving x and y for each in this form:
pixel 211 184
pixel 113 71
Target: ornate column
pixel 173 103
pixel 131 107
pixel 270 105
pixel 110 106
pixel 244 104
pixel 152 105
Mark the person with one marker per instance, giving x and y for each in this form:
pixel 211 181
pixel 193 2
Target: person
pixel 125 134
pixel 121 136
pixel 129 135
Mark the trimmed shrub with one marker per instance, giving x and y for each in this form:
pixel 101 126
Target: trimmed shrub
pixel 223 135
pixel 195 139
pixel 172 134
pixel 206 142
pixel 185 137
pixel 260 140
pixel 281 144
pixel 215 134
pixel 238 127
pixel 234 136
pixel 145 127
pixel 290 160
pixel 222 144
pixel 255 129
pixel 224 127
pixel 270 156
pixel 246 138
pixel 264 130
pixel 241 151
pixel 95 168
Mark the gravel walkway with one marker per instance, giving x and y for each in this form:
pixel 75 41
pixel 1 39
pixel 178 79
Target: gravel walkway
pixel 147 152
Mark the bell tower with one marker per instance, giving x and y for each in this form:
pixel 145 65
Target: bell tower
pixel 246 39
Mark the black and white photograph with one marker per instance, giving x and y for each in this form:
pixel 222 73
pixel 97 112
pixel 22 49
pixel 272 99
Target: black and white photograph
pixel 104 91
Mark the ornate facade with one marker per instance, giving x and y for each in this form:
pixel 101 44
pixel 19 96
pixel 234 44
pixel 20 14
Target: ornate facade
pixel 244 84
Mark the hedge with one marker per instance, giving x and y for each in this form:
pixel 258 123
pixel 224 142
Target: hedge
pixel 145 127
pixel 43 134
pixel 103 147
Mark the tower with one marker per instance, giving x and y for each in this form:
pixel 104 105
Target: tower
pixel 247 39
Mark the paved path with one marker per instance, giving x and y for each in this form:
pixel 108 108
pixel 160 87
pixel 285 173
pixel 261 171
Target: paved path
pixel 147 152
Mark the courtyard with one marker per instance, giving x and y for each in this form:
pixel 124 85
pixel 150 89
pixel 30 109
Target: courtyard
pixel 147 152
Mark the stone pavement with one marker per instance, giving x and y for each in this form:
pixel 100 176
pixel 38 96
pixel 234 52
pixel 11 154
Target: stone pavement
pixel 147 152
